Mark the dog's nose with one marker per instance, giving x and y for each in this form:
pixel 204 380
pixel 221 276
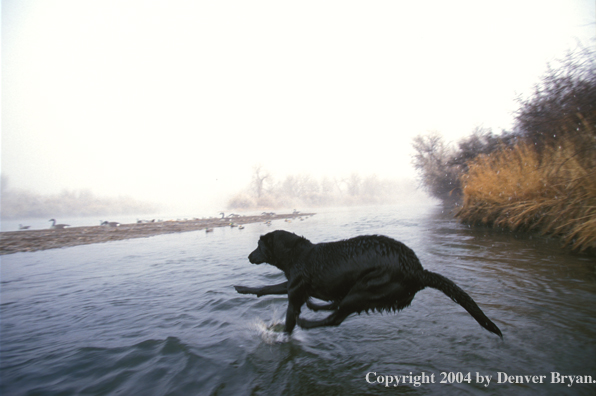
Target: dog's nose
pixel 255 258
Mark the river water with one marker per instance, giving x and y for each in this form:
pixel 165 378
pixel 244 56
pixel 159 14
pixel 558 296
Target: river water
pixel 159 316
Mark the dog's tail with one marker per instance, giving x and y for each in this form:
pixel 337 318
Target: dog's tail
pixel 436 281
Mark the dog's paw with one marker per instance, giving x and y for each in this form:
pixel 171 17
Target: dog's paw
pixel 244 289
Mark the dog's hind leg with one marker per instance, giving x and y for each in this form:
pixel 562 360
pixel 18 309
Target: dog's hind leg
pixel 322 307
pixel 363 296
pixel 334 319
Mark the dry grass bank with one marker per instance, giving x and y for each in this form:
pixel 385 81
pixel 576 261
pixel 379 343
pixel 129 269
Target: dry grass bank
pixel 553 192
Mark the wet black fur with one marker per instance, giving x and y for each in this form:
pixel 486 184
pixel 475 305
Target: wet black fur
pixel 364 273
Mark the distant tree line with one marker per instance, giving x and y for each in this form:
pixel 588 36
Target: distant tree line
pixel 562 109
pixel 17 203
pixel 304 190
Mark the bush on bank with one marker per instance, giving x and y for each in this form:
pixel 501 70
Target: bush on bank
pixel 542 176
pixel 553 193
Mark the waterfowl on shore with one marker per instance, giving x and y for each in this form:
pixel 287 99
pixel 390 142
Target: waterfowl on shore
pixel 22 227
pixel 109 223
pixel 58 226
pixel 241 227
pixel 208 229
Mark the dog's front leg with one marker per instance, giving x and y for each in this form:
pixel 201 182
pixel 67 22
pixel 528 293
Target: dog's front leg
pixel 291 315
pixel 281 288
pixel 296 297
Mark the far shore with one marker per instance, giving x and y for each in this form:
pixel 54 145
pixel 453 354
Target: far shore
pixel 34 240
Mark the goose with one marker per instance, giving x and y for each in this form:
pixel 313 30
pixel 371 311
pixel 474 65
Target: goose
pixel 58 226
pixel 109 223
pixel 22 227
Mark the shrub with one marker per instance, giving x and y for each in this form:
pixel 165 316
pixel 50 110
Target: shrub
pixel 553 193
pixel 563 104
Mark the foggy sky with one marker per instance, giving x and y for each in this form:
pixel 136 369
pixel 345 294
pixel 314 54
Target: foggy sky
pixel 176 101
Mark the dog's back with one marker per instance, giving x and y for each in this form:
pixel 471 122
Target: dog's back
pixel 360 255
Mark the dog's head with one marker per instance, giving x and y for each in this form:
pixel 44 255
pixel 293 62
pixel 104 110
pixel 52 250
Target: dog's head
pixel 275 248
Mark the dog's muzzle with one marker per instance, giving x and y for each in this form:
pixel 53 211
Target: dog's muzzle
pixel 256 257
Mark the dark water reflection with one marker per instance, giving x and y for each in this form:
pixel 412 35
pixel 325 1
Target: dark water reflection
pixel 159 316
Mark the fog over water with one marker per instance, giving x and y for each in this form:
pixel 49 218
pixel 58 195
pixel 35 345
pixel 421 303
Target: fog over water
pixel 174 103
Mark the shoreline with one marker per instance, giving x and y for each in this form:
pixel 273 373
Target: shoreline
pixel 35 240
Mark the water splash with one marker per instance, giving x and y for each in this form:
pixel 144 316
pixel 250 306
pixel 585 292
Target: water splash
pixel 271 332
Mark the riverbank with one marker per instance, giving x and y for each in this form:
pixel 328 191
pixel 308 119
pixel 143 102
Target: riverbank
pixel 34 240
pixel 552 192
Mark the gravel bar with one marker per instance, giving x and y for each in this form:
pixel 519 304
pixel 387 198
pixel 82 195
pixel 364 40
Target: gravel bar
pixel 34 240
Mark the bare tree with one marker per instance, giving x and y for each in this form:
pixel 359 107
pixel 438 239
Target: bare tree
pixel 354 183
pixel 259 177
pixel 433 161
pixel 291 186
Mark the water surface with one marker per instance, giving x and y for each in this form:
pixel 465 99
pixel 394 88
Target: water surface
pixel 159 315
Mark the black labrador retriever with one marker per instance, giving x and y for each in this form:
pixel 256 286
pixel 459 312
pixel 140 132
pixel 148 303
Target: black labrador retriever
pixel 359 274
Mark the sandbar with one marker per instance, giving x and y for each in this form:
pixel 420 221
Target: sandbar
pixel 34 240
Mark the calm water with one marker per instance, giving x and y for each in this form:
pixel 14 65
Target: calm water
pixel 159 316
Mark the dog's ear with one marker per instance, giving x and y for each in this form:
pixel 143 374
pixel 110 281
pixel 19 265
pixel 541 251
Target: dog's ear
pixel 284 242
pixel 267 244
pixel 267 240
